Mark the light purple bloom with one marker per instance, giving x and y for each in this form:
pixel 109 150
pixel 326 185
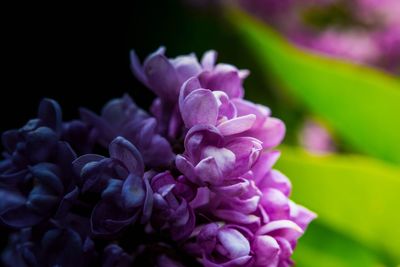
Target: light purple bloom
pixel 222 245
pixel 316 139
pixel 165 77
pixel 211 159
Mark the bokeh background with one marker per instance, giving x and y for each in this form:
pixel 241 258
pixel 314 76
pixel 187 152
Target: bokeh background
pixel 342 148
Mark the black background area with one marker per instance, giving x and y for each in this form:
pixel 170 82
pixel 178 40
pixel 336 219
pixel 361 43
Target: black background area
pixel 75 54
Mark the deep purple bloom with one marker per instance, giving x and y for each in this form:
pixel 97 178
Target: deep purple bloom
pixel 121 117
pixel 79 135
pixel 36 173
pixel 172 210
pixel 115 256
pixel 124 188
pixel 51 247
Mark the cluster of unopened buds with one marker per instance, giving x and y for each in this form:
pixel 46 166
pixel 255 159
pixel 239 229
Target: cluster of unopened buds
pixel 191 184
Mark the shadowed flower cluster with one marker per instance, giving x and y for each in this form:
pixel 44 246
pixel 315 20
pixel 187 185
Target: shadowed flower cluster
pixel 192 183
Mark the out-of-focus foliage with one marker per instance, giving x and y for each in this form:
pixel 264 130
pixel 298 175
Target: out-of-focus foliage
pixel 355 195
pixel 360 103
pixel 321 246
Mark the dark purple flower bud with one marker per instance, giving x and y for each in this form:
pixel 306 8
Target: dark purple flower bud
pixel 35 196
pixel 171 210
pixel 79 135
pixel 121 117
pixel 115 256
pixel 35 142
pixel 53 247
pixel 123 186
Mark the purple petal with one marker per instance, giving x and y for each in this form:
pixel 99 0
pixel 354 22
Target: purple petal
pixel 186 167
pixel 232 187
pixel 246 150
pixel 283 228
pixel 50 114
pixel 10 199
pixel 266 249
pixel 189 86
pixel 186 66
pixel 67 202
pixel 209 171
pixel 161 183
pixel 237 125
pixel 272 132
pixel 237 217
pixel 247 205
pixel 224 78
pixel 264 165
pixel 208 60
pixel 162 77
pixel 123 150
pixel 245 107
pixel 199 134
pixel 107 218
pixel 224 158
pixel 148 202
pixel 20 217
pixel 137 68
pixel 133 191
pixel 241 261
pixel 200 107
pixel 106 133
pixel 80 162
pixel 276 204
pixel 234 244
pixel 279 181
pixel 10 140
pixel 300 215
pixel 286 249
pixel 186 230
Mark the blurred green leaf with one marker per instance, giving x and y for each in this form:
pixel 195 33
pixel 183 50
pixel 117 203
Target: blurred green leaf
pixel 362 104
pixel 354 195
pixel 320 246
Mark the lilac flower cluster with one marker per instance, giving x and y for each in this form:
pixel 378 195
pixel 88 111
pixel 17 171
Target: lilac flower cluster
pixel 364 31
pixel 191 184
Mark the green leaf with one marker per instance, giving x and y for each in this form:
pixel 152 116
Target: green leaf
pixel 320 246
pixel 362 104
pixel 354 195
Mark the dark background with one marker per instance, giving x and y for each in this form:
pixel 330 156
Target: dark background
pixel 79 54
